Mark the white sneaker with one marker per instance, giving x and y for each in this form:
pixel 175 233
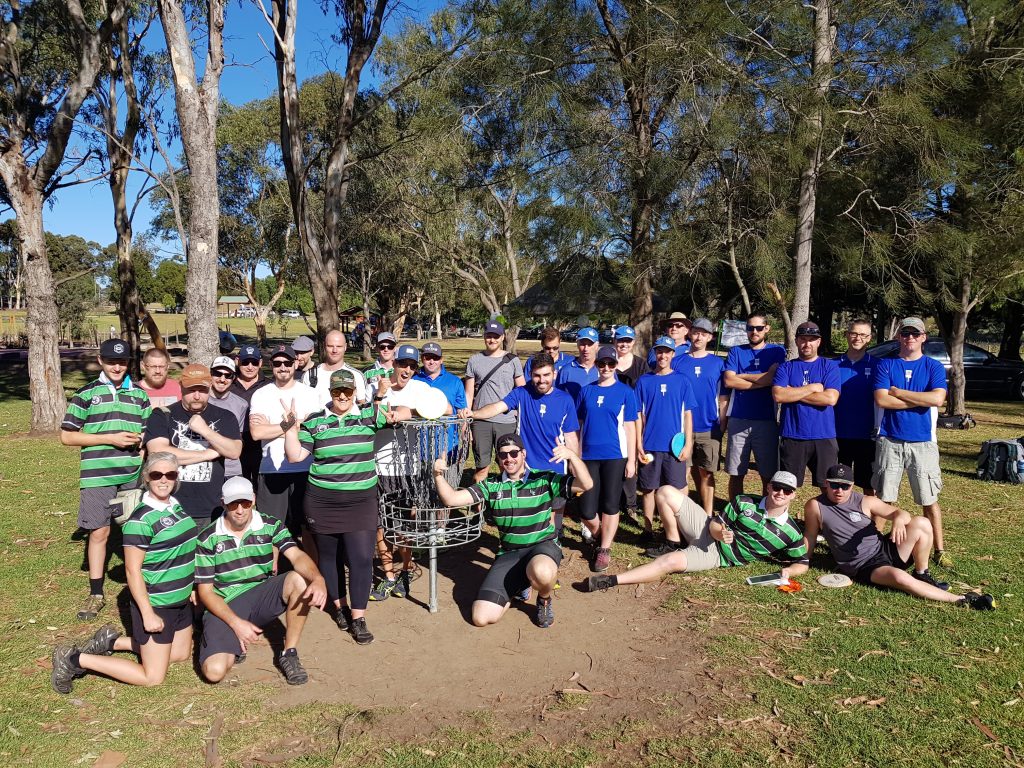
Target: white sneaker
pixel 586 535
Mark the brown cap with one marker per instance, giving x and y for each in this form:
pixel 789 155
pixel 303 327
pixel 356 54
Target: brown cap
pixel 195 375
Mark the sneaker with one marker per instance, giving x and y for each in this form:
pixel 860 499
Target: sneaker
pixel 403 586
pixel 602 560
pixel 290 666
pixel 927 578
pixel 344 619
pixel 523 596
pixel 942 559
pixel 595 583
pixel 663 549
pixel 383 589
pixel 646 537
pixel 240 658
pixel 979 601
pixel 360 633
pixel 92 607
pixel 585 535
pixel 545 612
pixel 102 643
pixel 64 672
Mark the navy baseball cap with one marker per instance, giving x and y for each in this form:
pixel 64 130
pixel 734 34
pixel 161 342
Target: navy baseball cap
pixel 588 334
pixel 432 348
pixel 407 352
pixel 493 326
pixel 114 349
pixel 607 352
pixel 282 350
pixel 665 341
pixel 625 332
pixel 839 473
pixel 250 352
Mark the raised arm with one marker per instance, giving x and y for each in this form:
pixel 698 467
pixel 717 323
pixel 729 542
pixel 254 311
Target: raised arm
pixel 452 497
pixel 489 411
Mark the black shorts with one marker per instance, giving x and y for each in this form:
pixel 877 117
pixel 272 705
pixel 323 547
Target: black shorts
pixel 175 618
pixel 859 454
pixel 603 498
pixel 283 495
pixel 666 469
pixel 260 605
pixel 816 455
pixel 890 555
pixel 507 575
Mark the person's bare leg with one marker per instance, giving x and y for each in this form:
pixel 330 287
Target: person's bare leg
pixel 594 526
pixel 657 569
pixel 917 545
pixel 217 666
pixel 669 500
pixel 735 486
pixel 706 489
pixel 155 658
pixel 542 572
pixel 485 612
pixel 648 510
pixel 894 578
pixel 934 514
pixel 608 526
pixel 96 551
pixel 384 553
pixel 298 608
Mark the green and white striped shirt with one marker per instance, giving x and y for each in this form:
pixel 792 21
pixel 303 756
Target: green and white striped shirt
pixel 167 535
pixel 758 536
pixel 342 447
pixel 234 566
pixel 521 509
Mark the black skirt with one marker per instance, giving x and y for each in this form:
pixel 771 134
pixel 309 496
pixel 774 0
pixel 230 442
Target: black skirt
pixel 340 511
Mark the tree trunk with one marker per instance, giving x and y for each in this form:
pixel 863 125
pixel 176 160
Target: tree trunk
pixel 437 322
pixel 129 305
pixel 953 327
pixel 641 311
pixel 1013 329
pixel 260 320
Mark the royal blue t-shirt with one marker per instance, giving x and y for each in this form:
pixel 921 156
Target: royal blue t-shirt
pixel 563 360
pixel 756 404
pixel 543 421
pixel 705 377
pixel 855 411
pixel 603 413
pixel 802 421
pixel 681 349
pixel 454 391
pixel 915 424
pixel 662 402
pixel 573 377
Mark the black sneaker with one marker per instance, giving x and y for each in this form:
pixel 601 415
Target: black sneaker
pixel 292 669
pixel 385 587
pixel 646 537
pixel 545 612
pixel 344 619
pixel 663 549
pixel 102 642
pixel 927 578
pixel 240 658
pixel 979 601
pixel 64 672
pixel 360 633
pixel 595 583
pixel 403 586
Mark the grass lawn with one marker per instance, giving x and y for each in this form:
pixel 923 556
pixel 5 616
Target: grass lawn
pixel 822 677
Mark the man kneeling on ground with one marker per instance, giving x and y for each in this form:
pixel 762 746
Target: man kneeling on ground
pixel 749 530
pixel 234 561
pixel 520 504
pixel 844 517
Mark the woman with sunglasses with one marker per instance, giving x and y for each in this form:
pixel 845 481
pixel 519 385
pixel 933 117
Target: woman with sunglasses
pixel 341 498
pixel 159 560
pixel 608 414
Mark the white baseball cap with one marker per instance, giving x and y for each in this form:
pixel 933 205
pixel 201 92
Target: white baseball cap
pixel 236 489
pixel 223 362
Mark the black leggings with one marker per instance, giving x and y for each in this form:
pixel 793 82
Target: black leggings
pixel 608 475
pixel 354 549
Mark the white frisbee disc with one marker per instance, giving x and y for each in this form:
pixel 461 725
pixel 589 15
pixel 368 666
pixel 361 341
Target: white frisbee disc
pixel 834 580
pixel 432 404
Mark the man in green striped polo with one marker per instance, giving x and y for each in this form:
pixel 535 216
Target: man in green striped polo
pixel 105 418
pixel 750 530
pixel 520 504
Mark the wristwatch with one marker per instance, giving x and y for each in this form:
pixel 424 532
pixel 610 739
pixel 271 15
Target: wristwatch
pixel 286 424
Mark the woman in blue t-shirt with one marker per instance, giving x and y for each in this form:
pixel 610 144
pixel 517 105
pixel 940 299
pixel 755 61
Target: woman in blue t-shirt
pixel 608 413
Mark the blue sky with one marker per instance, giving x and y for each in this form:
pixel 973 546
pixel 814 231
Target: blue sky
pixel 86 210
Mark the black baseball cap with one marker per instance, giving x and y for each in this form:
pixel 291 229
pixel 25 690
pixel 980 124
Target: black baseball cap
pixel 808 329
pixel 115 349
pixel 510 439
pixel 839 473
pixel 282 350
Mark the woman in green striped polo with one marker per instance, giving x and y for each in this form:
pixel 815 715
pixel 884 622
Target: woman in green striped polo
pixel 160 562
pixel 341 498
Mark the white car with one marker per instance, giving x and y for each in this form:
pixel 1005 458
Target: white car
pixel 294 313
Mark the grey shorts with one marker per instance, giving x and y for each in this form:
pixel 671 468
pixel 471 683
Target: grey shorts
pixel 707 450
pixel 919 460
pixel 485 435
pixel 695 528
pixel 761 436
pixel 94 510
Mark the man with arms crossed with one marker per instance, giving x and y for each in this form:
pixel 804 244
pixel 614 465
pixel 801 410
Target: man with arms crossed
pixel 223 372
pixel 335 347
pixel 909 389
pixel 855 411
pixel 519 501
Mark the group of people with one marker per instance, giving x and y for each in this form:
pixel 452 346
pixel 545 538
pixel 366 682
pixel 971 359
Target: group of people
pixel 238 470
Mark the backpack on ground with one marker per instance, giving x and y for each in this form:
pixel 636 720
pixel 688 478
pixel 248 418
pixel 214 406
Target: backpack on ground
pixel 998 461
pixel 966 421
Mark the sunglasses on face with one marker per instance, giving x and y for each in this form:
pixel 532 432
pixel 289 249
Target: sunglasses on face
pixel 154 475
pixel 339 391
pixel 606 363
pixel 223 375
pixel 282 363
pixel 624 341
pixel 240 503
pixel 910 334
pixel 676 325
pixel 778 488
pixel 248 362
pixel 386 346
pixel 756 328
pixel 840 486
pixel 431 358
pixel 513 454
pixel 552 349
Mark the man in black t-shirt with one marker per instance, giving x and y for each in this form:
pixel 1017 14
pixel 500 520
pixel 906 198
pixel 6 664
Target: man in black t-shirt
pixel 201 436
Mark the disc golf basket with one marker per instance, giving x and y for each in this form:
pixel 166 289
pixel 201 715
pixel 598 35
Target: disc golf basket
pixel 411 512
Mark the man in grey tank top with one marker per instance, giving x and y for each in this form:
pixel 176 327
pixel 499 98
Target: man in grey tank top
pixel 844 517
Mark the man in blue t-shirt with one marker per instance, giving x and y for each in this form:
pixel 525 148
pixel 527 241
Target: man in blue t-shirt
pixel 676 327
pixel 909 389
pixel 575 375
pixel 550 342
pixel 807 388
pixel 704 372
pixel 855 412
pixel 666 403
pixel 437 376
pixel 751 425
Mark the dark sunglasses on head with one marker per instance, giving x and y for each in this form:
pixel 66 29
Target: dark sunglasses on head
pixel 386 345
pixel 154 475
pixel 282 363
pixel 757 328
pixel 779 487
pixel 606 363
pixel 910 334
pixel 840 486
pixel 347 391
pixel 223 374
pixel 513 454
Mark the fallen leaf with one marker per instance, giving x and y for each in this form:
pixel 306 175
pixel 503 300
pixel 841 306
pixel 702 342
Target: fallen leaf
pixel 110 759
pixel 984 729
pixel 428 752
pixel 872 653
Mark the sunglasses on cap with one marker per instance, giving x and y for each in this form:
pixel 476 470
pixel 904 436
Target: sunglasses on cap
pixel 154 475
pixel 513 454
pixel 756 328
pixel 840 486
pixel 780 488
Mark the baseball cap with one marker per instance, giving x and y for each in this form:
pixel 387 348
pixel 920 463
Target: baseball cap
pixel 407 352
pixel 913 322
pixel 587 334
pixel 678 316
pixel 493 326
pixel 839 473
pixel 787 479
pixel 510 439
pixel 223 362
pixel 303 344
pixel 386 336
pixel 808 329
pixel 227 342
pixel 195 375
pixel 343 379
pixel 114 349
pixel 236 489
pixel 432 348
pixel 665 341
pixel 702 324
pixel 625 332
pixel 250 352
pixel 607 352
pixel 282 350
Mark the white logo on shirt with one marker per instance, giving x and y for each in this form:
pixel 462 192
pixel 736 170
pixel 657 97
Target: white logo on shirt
pixel 696 370
pixel 867 371
pixel 166 522
pixel 756 362
pixel 908 375
pixel 664 389
pixel 96 400
pixel 600 400
pixel 807 378
pixel 855 517
pixel 543 409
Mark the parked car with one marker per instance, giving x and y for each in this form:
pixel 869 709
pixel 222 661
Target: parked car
pixel 293 313
pixel 569 334
pixel 986 374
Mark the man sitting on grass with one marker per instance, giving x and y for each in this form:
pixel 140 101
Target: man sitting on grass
pixel 749 530
pixel 845 519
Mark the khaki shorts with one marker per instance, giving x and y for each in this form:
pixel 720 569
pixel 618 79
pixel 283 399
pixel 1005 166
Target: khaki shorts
pixel 695 528
pixel 707 450
pixel 920 461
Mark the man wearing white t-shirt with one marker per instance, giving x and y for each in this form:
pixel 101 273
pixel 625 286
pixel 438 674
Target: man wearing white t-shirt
pixel 282 484
pixel 335 347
